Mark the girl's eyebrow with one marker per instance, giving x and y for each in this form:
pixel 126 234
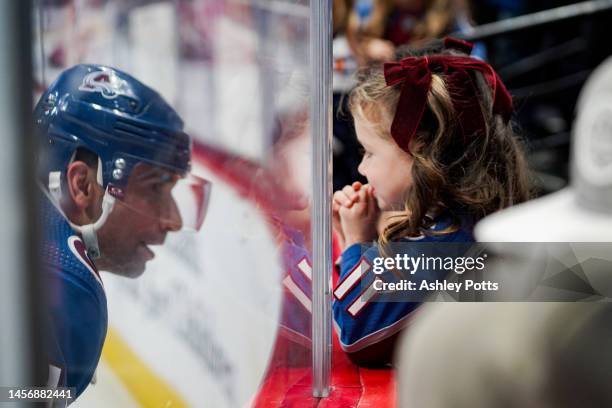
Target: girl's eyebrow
pixel 361 142
pixel 370 134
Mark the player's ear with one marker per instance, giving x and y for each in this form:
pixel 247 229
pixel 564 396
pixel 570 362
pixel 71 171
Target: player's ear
pixel 81 180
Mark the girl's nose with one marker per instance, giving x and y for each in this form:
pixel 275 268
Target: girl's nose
pixel 361 169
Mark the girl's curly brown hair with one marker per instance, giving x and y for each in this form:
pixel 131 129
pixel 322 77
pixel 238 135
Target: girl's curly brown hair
pixel 475 177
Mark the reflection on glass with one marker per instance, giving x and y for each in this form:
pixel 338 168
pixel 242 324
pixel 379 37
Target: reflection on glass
pixel 221 310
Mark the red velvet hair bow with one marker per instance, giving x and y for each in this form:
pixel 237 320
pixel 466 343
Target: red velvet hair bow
pixel 414 73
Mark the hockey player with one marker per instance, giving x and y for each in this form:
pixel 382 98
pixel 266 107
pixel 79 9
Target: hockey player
pixel 114 169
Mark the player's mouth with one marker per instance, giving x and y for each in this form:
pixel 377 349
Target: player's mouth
pixel 147 251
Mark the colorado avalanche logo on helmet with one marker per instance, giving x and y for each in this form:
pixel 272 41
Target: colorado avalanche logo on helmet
pixel 107 83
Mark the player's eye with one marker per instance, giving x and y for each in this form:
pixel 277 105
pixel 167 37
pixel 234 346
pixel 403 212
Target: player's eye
pixel 157 188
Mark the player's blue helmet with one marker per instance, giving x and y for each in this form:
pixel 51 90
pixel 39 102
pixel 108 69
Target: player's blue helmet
pixel 110 113
pixel 125 123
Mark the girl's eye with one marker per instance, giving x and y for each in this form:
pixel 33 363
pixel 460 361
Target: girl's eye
pixel 364 152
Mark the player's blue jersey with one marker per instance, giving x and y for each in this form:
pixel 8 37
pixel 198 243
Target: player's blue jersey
pixel 296 317
pixel 76 303
pixel 360 320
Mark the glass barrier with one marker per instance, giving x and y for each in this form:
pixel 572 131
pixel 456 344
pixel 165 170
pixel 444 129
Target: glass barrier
pixel 194 271
pixel 184 167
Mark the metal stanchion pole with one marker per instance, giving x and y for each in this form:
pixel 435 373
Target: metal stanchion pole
pixel 321 119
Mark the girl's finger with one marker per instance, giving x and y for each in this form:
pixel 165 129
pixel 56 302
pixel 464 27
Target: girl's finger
pixel 371 202
pixel 342 199
pixel 370 189
pixel 356 185
pixel 363 195
pixel 350 193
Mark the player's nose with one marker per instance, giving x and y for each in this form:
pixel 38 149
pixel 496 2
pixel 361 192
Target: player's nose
pixel 171 220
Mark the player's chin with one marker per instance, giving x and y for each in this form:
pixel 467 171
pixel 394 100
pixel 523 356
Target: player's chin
pixel 135 267
pixel 134 270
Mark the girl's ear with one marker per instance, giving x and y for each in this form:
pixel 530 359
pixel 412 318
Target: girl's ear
pixel 80 178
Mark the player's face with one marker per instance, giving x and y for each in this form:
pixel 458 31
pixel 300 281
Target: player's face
pixel 138 221
pixel 386 166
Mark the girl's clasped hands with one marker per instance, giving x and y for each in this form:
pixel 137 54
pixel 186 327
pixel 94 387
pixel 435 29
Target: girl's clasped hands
pixel 355 214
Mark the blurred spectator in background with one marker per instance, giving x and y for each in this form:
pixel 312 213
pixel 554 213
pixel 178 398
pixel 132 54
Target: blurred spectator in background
pixel 376 27
pixel 341 10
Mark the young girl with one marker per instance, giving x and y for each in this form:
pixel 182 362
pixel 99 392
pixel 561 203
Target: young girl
pixel 439 154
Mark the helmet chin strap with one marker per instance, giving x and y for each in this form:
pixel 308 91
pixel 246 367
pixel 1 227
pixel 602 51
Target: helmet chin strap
pixel 89 231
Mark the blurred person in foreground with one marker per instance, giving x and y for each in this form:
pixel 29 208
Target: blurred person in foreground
pixel 481 355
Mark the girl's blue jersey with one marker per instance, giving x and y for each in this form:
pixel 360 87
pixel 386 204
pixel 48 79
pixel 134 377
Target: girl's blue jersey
pixel 76 313
pixel 360 319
